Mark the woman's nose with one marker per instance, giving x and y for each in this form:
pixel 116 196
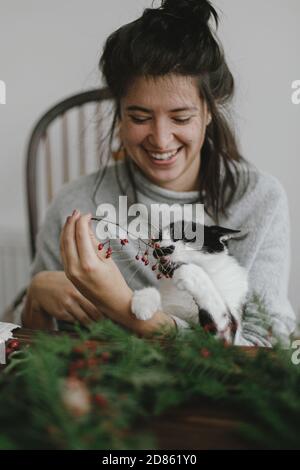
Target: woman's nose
pixel 161 136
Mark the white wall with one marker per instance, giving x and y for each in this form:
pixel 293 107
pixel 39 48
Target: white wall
pixel 49 50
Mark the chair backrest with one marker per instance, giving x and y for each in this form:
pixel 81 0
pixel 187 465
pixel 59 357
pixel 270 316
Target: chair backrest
pixel 64 144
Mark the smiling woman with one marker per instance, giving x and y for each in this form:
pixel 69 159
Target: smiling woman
pixel 162 126
pixel 170 83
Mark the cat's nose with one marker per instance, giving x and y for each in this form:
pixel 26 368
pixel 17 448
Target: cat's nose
pixel 163 251
pixel 169 249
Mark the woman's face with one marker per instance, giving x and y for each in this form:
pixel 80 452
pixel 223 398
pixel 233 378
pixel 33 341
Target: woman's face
pixel 162 127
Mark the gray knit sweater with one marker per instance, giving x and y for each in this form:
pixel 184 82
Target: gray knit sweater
pixel 262 212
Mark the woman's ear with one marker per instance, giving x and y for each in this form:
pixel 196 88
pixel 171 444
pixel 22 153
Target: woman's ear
pixel 208 121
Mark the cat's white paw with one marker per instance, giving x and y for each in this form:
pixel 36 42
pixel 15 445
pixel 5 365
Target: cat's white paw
pixel 145 303
pixel 185 277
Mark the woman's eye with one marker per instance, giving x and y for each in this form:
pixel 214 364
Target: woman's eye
pixel 139 120
pixel 182 120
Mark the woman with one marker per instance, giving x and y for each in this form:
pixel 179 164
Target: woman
pixel 170 83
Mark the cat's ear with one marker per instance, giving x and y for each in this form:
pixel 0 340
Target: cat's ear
pixel 223 233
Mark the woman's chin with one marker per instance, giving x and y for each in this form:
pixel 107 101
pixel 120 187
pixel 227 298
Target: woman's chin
pixel 165 178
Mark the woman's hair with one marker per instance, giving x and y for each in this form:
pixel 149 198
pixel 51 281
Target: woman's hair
pixel 176 38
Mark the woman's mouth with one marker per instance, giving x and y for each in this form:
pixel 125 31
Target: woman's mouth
pixel 163 158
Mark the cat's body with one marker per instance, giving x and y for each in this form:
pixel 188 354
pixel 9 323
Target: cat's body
pixel 206 286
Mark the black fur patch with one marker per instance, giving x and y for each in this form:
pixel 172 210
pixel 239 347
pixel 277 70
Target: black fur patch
pixel 206 321
pixel 213 235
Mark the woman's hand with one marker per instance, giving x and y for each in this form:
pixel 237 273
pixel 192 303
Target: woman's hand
pixel 52 295
pixel 95 276
pixel 99 279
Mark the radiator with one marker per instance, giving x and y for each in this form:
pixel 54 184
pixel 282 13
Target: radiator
pixel 14 266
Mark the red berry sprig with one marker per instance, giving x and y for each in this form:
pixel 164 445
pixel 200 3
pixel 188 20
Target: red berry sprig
pixel 12 345
pixel 109 252
pixel 102 245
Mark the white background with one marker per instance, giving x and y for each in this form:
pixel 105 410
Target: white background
pixel 50 50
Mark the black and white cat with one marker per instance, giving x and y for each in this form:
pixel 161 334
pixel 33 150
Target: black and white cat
pixel 201 284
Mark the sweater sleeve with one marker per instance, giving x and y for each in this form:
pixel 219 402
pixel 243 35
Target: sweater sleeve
pixel 47 256
pixel 268 315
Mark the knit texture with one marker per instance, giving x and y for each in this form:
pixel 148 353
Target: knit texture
pixel 261 213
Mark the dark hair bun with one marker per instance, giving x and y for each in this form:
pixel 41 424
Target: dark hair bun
pixel 194 11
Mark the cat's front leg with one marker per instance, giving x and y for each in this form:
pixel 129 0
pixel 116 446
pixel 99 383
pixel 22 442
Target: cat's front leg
pixel 145 303
pixel 194 280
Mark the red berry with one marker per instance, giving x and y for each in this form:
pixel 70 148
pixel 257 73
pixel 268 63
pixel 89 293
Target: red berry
pixel 154 267
pixel 105 356
pixel 157 245
pixel 92 361
pixel 14 344
pixel 137 257
pixel 143 259
pixel 90 344
pixel 209 327
pixel 205 353
pixel 100 246
pixel 108 252
pixel 159 276
pixel 100 400
pixel 79 364
pixel 126 240
pixel 146 262
pixel 78 349
pixel 108 255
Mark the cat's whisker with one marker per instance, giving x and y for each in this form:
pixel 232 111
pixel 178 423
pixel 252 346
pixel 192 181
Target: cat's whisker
pixel 134 273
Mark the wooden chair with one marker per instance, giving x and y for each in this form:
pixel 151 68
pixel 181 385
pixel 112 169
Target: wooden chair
pixel 63 145
pixel 67 130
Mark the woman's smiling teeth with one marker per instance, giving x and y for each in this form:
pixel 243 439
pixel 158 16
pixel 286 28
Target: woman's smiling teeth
pixel 163 156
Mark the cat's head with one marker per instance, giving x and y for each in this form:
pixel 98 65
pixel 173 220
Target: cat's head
pixel 188 242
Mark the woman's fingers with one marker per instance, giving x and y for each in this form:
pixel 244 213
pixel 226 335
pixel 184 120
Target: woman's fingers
pixel 85 245
pixel 68 246
pixel 78 314
pixel 93 237
pixel 65 316
pixel 93 313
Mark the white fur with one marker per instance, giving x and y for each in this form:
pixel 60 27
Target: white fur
pixel 145 303
pixel 214 282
